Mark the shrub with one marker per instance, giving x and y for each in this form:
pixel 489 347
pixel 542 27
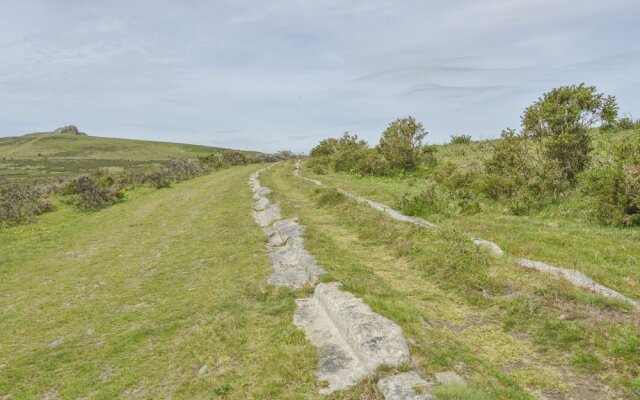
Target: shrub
pixel 614 184
pixel 460 139
pixel 424 204
pixel 516 178
pixel 159 179
pixel 401 143
pixel 212 161
pixel 372 163
pixel 232 157
pixel 326 147
pixel 349 151
pixel 182 169
pixel 560 120
pixel 94 192
pixel 319 165
pixel 21 202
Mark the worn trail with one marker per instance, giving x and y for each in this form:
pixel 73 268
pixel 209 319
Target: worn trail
pixel 353 340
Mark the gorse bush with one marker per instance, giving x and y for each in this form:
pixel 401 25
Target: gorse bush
pixel 614 184
pixel 400 150
pixel 21 202
pixel 560 121
pixel 93 192
pixel 232 157
pixel 460 139
pixel 401 143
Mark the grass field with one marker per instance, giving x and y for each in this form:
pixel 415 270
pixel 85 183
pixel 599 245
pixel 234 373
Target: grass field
pixel 162 295
pixel 46 155
pixel 513 333
pixel 560 234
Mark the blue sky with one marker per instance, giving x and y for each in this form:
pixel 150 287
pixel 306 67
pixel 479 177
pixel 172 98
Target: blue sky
pixel 270 75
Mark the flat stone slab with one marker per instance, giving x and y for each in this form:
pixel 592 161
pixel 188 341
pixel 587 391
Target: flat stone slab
pixel 353 340
pixel 578 279
pixel 293 266
pixel 494 248
pixel 405 386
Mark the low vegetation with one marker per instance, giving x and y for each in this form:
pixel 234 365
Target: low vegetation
pixel 571 151
pixel 511 333
pixel 22 200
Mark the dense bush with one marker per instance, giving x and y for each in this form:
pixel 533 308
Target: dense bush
pixel 401 143
pixel 21 202
pixel 93 192
pixel 426 203
pixel 372 162
pixel 349 151
pixel 158 179
pixel 460 139
pixel 212 162
pixel 614 184
pixel 182 169
pixel 232 157
pixel 560 121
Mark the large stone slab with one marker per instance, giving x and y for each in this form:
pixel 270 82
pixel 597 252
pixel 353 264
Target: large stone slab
pixel 293 266
pixel 353 340
pixel 405 386
pixel 578 279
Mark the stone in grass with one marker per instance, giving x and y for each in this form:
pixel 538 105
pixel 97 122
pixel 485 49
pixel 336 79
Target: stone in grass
pixel 449 377
pixel 405 386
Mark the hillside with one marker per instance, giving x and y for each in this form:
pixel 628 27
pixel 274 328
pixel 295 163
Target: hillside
pixel 45 154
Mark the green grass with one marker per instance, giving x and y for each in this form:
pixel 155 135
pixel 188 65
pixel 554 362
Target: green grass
pixel 45 155
pixel 512 333
pixel 607 255
pixel 135 300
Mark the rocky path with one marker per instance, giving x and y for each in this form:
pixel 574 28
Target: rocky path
pixel 353 340
pixel 575 277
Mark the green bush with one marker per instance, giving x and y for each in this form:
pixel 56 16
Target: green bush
pixel 401 143
pixel 372 163
pixel 349 151
pixel 460 139
pixel 560 121
pixel 159 179
pixel 232 157
pixel 424 204
pixel 21 202
pixel 614 185
pixel 212 161
pixel 93 192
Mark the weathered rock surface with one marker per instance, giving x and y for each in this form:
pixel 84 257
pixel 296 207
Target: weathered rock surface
pixel 448 378
pixel 354 340
pixel 403 387
pixel 293 266
pixel 68 130
pixel 577 278
pixel 494 248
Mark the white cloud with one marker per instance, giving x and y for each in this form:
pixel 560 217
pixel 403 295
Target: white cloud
pixel 284 73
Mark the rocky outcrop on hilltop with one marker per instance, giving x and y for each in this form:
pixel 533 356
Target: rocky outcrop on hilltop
pixel 69 130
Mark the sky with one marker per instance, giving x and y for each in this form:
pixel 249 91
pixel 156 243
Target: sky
pixel 284 74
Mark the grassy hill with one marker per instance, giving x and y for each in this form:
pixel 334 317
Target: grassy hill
pixel 42 155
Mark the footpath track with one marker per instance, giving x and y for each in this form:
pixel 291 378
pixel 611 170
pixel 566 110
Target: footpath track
pixel 353 340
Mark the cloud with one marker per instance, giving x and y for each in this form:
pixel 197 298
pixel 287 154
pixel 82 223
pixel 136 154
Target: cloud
pixel 286 73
